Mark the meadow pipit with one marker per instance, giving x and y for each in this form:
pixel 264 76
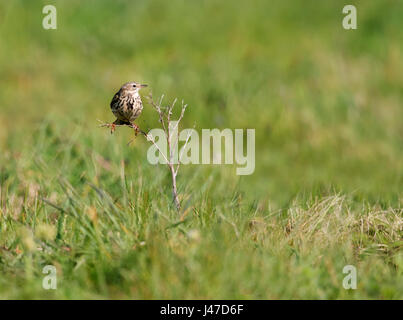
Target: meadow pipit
pixel 126 105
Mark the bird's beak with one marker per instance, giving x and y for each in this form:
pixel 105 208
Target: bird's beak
pixel 143 85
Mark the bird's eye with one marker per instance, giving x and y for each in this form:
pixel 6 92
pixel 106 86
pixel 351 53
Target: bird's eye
pixel 134 86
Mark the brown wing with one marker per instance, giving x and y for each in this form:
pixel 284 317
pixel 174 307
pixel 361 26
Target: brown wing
pixel 115 101
pixel 118 108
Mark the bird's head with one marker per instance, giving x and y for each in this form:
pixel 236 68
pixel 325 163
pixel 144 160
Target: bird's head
pixel 132 87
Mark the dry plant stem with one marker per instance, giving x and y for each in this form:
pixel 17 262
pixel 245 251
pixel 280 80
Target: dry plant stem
pixel 148 136
pixel 174 190
pixel 165 115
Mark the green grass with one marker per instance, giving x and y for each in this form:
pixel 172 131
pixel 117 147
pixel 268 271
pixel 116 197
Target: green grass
pixel 327 190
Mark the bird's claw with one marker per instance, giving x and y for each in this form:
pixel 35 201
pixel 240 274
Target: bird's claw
pixel 136 129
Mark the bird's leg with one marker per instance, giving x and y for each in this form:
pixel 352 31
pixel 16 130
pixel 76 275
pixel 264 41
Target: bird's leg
pixel 115 123
pixel 109 125
pixel 113 127
pixel 136 129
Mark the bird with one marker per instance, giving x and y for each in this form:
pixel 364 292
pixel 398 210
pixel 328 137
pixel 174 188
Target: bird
pixel 126 105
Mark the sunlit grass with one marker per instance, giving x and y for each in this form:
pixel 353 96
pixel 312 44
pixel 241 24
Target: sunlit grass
pixel 327 190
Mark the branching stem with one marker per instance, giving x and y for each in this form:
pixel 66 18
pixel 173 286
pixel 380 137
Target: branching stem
pixel 164 115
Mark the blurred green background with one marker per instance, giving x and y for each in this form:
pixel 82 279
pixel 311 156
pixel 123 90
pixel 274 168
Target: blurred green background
pixel 326 102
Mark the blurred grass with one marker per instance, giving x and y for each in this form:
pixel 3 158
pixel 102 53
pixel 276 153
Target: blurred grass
pixel 327 108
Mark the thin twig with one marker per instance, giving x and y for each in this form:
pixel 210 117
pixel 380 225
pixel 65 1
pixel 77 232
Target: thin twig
pixel 182 150
pixel 165 115
pixel 148 136
pixel 177 123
